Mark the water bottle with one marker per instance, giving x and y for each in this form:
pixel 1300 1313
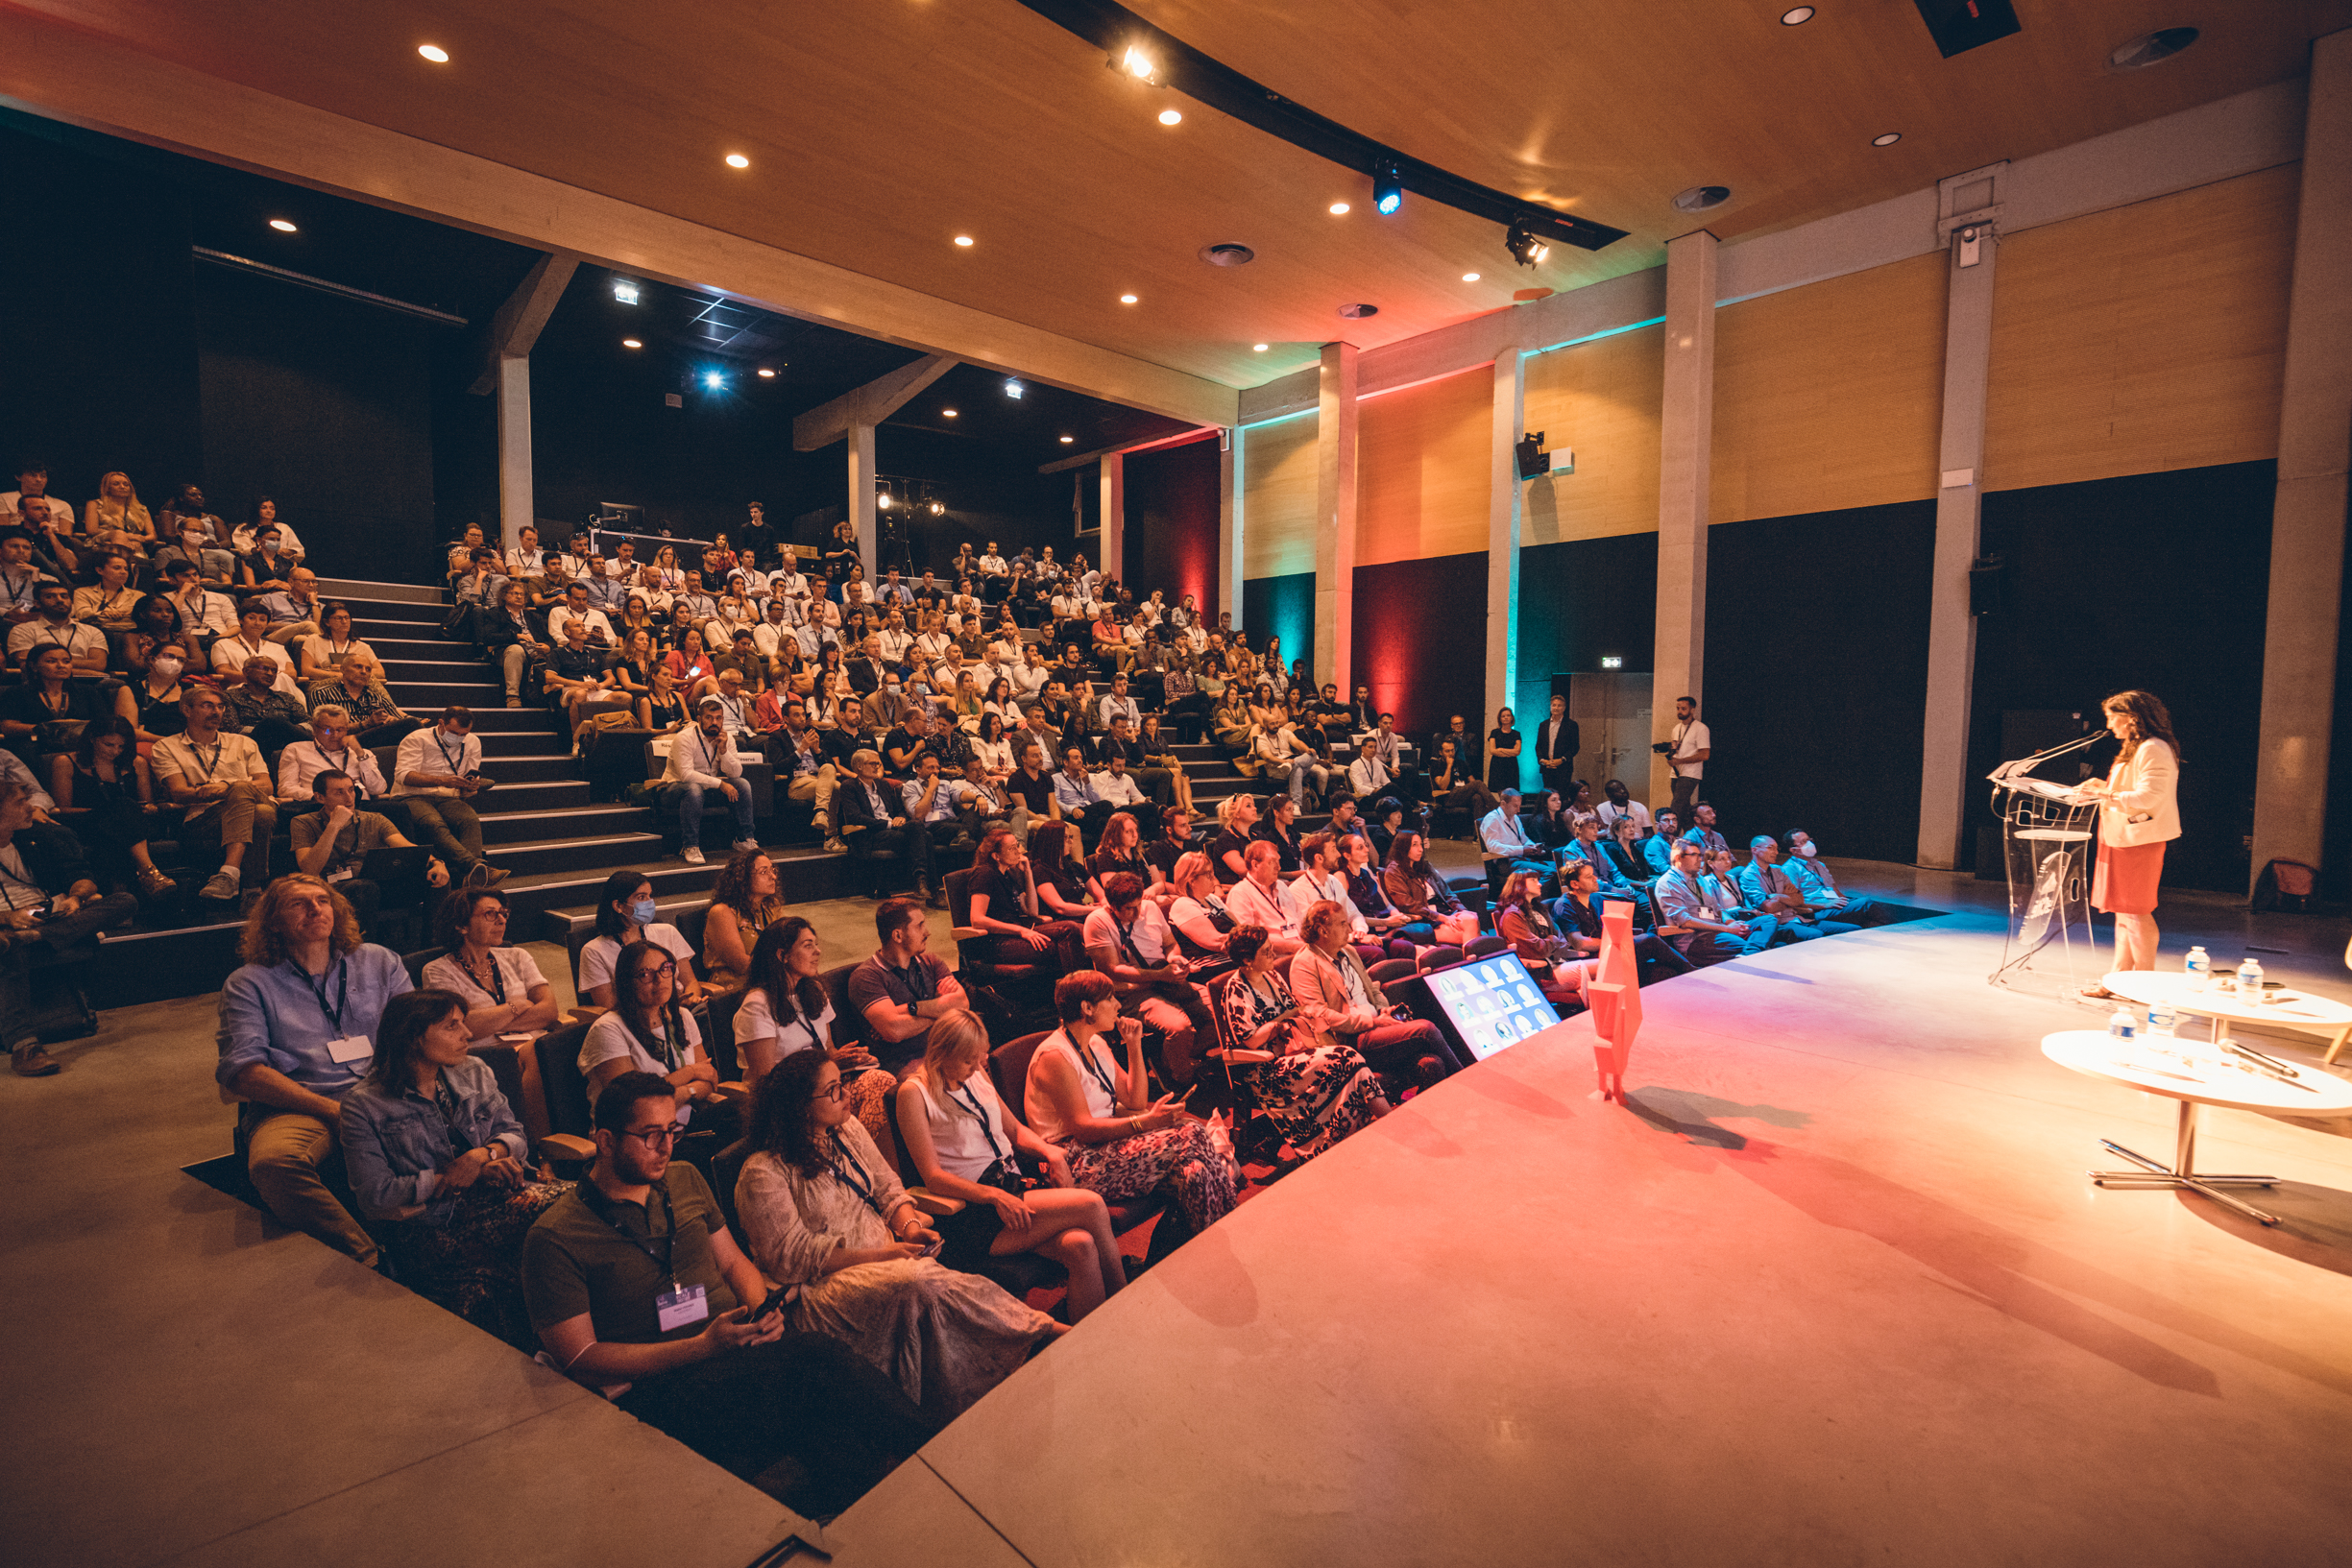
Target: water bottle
pixel 2249 981
pixel 2201 968
pixel 2124 1025
pixel 2163 1018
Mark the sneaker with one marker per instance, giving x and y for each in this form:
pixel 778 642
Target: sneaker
pixel 155 884
pixel 31 1061
pixel 692 854
pixel 742 844
pixel 514 702
pixel 836 846
pixel 223 887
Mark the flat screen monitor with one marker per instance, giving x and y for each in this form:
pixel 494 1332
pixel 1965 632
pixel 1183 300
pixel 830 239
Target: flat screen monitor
pixel 1492 1003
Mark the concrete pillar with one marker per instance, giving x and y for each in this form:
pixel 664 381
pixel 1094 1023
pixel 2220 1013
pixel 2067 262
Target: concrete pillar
pixel 515 502
pixel 1503 514
pixel 1113 548
pixel 1335 516
pixel 1967 203
pixel 1230 525
pixel 2308 519
pixel 1686 426
pixel 861 510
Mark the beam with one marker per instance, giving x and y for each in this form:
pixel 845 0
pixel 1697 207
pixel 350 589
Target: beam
pixel 1063 464
pixel 869 404
pixel 1335 516
pixel 515 329
pixel 1686 428
pixel 80 76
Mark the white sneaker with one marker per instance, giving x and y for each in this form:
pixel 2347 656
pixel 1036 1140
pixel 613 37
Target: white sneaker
pixel 223 885
pixel 742 844
pixel 692 854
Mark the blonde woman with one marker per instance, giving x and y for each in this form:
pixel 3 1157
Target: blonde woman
pixel 117 520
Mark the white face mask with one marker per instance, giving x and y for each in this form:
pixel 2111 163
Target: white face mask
pixel 168 668
pixel 1806 849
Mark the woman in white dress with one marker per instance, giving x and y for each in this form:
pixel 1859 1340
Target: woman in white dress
pixel 822 1212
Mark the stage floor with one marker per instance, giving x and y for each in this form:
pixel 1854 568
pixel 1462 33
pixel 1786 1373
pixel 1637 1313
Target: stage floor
pixel 1833 1289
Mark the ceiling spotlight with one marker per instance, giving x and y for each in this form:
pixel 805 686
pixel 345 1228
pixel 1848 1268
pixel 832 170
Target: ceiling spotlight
pixel 2150 48
pixel 1127 299
pixel 1259 347
pixel 1068 440
pixel 1887 140
pixel 938 507
pixel 736 160
pixel 883 500
pixel 1470 278
pixel 1387 189
pixel 1699 198
pixel 625 291
pixel 1014 389
pixel 283 226
pixel 767 373
pixel 1339 209
pixel 1136 63
pixel 947 413
pixel 631 342
pixel 964 240
pixel 1797 16
pixel 713 380
pixel 1524 243
pixel 435 53
pixel 1169 116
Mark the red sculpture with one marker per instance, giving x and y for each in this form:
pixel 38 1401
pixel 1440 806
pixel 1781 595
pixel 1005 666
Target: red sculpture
pixel 1614 991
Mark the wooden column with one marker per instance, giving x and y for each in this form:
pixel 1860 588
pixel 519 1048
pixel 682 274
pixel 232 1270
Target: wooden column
pixel 1335 516
pixel 1685 443
pixel 1113 548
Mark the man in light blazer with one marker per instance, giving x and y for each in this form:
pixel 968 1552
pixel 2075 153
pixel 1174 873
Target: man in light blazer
pixel 1343 1005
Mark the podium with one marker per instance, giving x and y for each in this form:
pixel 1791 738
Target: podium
pixel 2049 834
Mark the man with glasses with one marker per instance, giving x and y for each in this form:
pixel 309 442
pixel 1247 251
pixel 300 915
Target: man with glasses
pixel 1701 929
pixel 637 1289
pixel 218 778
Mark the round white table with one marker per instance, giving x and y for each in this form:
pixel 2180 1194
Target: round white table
pixel 2290 1009
pixel 2194 1074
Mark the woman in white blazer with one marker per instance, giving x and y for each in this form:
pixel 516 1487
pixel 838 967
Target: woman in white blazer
pixel 2138 815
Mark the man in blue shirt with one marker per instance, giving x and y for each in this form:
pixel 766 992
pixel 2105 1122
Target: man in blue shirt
pixel 1698 926
pixel 1762 882
pixel 1703 833
pixel 297 1032
pixel 1819 885
pixel 1585 849
pixel 1659 848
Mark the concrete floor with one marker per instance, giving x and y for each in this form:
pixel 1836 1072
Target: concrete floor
pixel 1833 1289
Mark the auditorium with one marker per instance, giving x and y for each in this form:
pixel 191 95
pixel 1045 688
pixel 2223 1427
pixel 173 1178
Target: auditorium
pixel 933 782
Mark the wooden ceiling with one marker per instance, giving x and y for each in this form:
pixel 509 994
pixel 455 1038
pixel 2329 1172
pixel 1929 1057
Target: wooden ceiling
pixel 878 130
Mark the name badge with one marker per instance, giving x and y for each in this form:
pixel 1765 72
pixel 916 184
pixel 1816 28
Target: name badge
pixel 680 1306
pixel 351 1048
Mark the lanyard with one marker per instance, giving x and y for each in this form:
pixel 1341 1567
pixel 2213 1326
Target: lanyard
pixel 497 985
pixel 854 1175
pixel 710 753
pixel 596 1202
pixel 197 757
pixel 457 764
pixel 672 1054
pixel 1126 940
pixel 329 761
pixel 19 593
pixel 969 1102
pixel 445 1100
pixel 1094 1069
pixel 342 993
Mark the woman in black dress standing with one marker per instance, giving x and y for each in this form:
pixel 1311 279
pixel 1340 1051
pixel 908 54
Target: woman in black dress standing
pixel 1503 752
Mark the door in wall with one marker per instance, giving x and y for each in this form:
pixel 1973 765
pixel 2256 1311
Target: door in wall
pixel 1612 710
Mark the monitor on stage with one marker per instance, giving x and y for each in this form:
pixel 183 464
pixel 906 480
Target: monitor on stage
pixel 1492 1003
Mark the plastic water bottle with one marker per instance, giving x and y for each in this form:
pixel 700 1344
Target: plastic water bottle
pixel 2249 981
pixel 2163 1018
pixel 2201 968
pixel 2124 1025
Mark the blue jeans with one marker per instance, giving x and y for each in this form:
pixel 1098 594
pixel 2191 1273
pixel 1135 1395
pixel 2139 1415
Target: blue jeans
pixel 687 798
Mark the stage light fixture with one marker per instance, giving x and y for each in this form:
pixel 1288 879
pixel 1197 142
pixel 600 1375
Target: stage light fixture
pixel 883 501
pixel 1387 189
pixel 435 53
pixel 1068 440
pixel 767 374
pixel 1137 64
pixel 1014 389
pixel 713 380
pixel 283 226
pixel 631 342
pixel 1524 246
pixel 947 413
pixel 625 291
pixel 1169 116
pixel 736 160
pixel 1470 278
pixel 938 507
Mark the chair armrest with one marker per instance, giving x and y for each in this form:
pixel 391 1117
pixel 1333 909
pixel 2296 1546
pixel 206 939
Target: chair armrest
pixel 584 1014
pixel 968 934
pixel 567 1147
pixel 1241 1057
pixel 933 1204
pixel 734 1091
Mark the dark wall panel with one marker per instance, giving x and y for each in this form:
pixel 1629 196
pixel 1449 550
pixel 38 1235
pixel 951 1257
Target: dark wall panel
pixel 2158 581
pixel 1817 675
pixel 1282 606
pixel 1581 601
pixel 1172 523
pixel 992 493
pixel 1417 633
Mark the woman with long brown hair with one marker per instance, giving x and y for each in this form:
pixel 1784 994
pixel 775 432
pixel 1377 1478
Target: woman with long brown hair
pixel 2138 813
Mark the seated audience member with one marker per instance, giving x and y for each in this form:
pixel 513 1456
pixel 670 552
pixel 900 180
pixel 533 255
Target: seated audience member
pixel 1621 805
pixel 1173 843
pixel 1262 898
pixel 633 1283
pixel 964 1146
pixel 1381 917
pixel 703 760
pixel 785 1011
pixel 1822 895
pixel 903 987
pixel 261 708
pixel 1764 885
pixel 1720 882
pixel 217 777
pixel 1005 902
pixel 823 1212
pixel 503 630
pixel 1130 940
pixel 1550 955
pixel 437 772
pixel 1228 848
pixel 105 788
pixel 296 1031
pixel 333 842
pixel 107 603
pixel 1621 845
pixel 438 1161
pixel 1659 848
pixel 1121 849
pixel 325 652
pixel 746 900
pixel 1326 878
pixel 118 520
pixel 250 642
pixel 1454 784
pixel 1315 1094
pixel 1507 844
pixel 296 611
pixel 330 747
pixel 50 900
pixel 1419 893
pixel 1118 1140
pixel 1082 797
pixel 1545 820
pixel 1285 758
pixel 647 1031
pixel 48 711
pixel 1703 833
pixel 1273 828
pixel 576 682
pixel 934 803
pixel 869 813
pixel 1577 913
pixel 1060 876
pixel 499 985
pixel 1367 777
pixel 51 625
pixel 1701 929
pixel 1341 1005
pixel 265 562
pixel 1197 908
pixel 1585 845
pixel 49 524
pixel 376 720
pixel 626 914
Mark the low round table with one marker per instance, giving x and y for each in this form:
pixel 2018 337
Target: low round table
pixel 2195 1075
pixel 2292 1010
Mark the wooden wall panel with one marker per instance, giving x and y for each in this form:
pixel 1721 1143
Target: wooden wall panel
pixel 1421 456
pixel 1601 398
pixel 1278 497
pixel 2144 339
pixel 1830 397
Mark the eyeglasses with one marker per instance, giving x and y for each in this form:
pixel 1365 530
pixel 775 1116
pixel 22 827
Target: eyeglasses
pixel 657 972
pixel 833 1092
pixel 655 1137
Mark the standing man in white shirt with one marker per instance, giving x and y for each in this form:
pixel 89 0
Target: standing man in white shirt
pixel 703 760
pixel 1687 757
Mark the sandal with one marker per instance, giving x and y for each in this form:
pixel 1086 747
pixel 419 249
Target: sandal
pixel 2098 993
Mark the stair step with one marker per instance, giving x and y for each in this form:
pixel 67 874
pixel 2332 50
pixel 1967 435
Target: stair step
pixel 541 743
pixel 510 798
pixel 351 590
pixel 512 771
pixel 416 696
pixel 369 612
pixel 532 827
pixel 393 648
pixel 603 853
pixel 806 875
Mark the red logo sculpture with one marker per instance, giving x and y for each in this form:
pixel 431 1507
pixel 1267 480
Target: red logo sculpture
pixel 1614 991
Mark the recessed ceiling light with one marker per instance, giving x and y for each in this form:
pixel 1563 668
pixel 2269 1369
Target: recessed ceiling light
pixel 1797 16
pixel 1470 278
pixel 1068 440
pixel 1169 116
pixel 1699 198
pixel 1887 140
pixel 767 374
pixel 713 380
pixel 947 413
pixel 1339 209
pixel 964 240
pixel 1014 389
pixel 283 226
pixel 1259 347
pixel 1127 299
pixel 631 342
pixel 736 160
pixel 435 53
pixel 624 292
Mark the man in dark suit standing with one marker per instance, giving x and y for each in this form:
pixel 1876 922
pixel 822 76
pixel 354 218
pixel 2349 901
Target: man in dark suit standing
pixel 1557 743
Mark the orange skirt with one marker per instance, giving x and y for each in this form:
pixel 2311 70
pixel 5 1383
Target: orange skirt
pixel 2124 881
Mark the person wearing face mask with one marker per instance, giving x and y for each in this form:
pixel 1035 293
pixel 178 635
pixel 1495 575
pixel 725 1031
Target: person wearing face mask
pixel 199 536
pixel 1819 885
pixel 626 914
